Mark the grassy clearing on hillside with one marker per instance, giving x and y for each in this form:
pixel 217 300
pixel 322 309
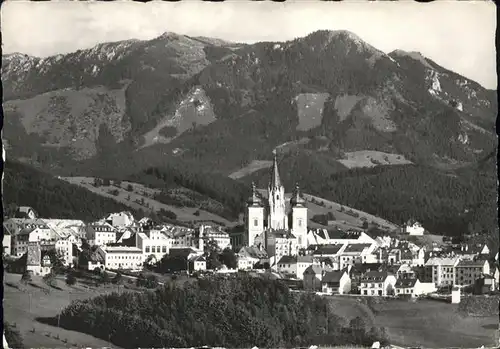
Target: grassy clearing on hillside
pixel 17 310
pixel 184 214
pixel 371 158
pixel 255 165
pixel 342 219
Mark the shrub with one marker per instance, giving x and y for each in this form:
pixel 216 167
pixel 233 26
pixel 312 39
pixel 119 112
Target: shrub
pixel 12 336
pixel 70 279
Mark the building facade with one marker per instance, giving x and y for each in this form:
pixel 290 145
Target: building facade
pixel 274 215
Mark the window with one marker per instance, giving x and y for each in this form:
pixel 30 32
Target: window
pixel 300 222
pixel 164 249
pixel 147 248
pixel 255 222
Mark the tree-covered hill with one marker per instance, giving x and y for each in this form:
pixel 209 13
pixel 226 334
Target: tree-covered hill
pixel 52 197
pixel 238 312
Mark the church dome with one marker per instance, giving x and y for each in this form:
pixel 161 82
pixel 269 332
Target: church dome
pixel 297 199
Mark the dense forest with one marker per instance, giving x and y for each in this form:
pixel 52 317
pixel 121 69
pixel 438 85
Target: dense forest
pixel 235 312
pixel 54 198
pixel 231 194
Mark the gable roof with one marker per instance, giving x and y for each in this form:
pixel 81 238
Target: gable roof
pixel 313 269
pixel 405 282
pixel 375 276
pixel 333 277
pixel 327 249
pixel 288 260
pixel 473 264
pixel 354 248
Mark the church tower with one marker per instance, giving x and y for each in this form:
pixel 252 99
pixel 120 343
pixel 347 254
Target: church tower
pixel 277 211
pixel 299 217
pixel 255 218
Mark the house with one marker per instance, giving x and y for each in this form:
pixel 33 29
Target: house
pixel 402 271
pixel 443 270
pixel 31 232
pixel 197 263
pixel 121 257
pixel 66 227
pixel 413 287
pixel 120 220
pixel 356 253
pixel 378 283
pixel 467 271
pixel 182 237
pixel 154 244
pixel 287 265
pixel 313 276
pixel 100 233
pixel 412 227
pixel 249 256
pixel 336 282
pixel 358 271
pixel 37 262
pixel 278 243
pixel 304 262
pixel 216 234
pixel 26 212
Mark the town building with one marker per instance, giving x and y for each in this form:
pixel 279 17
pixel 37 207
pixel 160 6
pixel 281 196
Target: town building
pixel 215 234
pixel 26 212
pixel 378 283
pixel 100 233
pixel 121 257
pixel 411 286
pixel 278 243
pixel 357 253
pixel 412 227
pixel 467 271
pixel 336 282
pixel 313 276
pixel 154 244
pixel 6 241
pixel 443 270
pixel 249 256
pixel 120 219
pixel 197 263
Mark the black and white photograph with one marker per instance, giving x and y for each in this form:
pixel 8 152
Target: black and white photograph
pixel 250 174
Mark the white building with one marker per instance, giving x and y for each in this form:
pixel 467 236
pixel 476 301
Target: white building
pixel 154 243
pixel 336 282
pixel 443 270
pixel 357 253
pixel 120 219
pixel 197 263
pixel 413 287
pixel 31 232
pixel 378 283
pixel 100 234
pixel 121 257
pixel 413 227
pixel 209 233
pixel 249 256
pixel 6 242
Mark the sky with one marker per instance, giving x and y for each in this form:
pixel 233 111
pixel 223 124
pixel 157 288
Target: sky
pixel 459 35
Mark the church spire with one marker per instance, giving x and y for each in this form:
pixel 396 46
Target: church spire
pixel 275 176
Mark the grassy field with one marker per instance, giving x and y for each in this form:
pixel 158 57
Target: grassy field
pixel 17 310
pixel 184 214
pixel 371 158
pixel 426 323
pixel 342 219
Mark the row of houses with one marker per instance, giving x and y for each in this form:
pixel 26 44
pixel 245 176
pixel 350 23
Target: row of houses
pixel 119 241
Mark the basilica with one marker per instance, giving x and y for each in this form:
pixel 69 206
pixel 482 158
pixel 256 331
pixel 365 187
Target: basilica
pixel 275 224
